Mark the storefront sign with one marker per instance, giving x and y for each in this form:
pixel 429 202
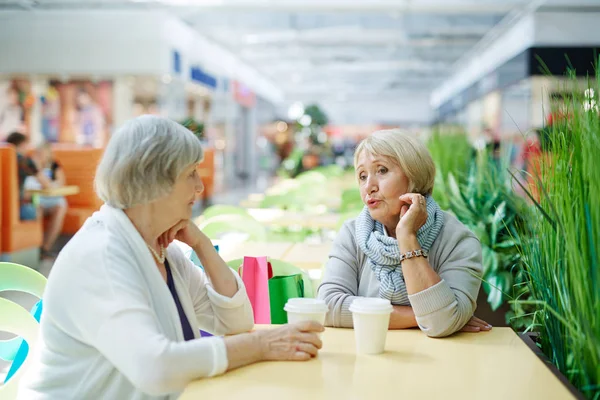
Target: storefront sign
pixel 199 76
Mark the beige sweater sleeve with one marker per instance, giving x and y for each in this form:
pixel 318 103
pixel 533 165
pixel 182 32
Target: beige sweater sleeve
pixel 447 306
pixel 339 286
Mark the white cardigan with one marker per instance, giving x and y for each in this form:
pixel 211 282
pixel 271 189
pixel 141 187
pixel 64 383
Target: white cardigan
pixel 110 327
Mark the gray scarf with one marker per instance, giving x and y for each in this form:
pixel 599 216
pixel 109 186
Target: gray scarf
pixel 383 252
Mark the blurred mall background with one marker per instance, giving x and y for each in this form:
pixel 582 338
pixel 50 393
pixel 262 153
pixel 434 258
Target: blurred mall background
pixel 276 88
pixel 244 72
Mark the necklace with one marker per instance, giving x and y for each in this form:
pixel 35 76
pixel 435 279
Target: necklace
pixel 161 258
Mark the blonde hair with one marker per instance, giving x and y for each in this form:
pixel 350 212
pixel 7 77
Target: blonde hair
pixel 406 151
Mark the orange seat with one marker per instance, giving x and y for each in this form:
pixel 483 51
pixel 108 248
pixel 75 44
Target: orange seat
pixel 206 170
pixel 79 165
pixel 16 235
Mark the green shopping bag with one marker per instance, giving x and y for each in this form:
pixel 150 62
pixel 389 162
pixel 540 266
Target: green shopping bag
pixel 282 288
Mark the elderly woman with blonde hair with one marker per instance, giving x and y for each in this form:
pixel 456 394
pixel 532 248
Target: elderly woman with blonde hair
pixel 402 246
pixel 123 307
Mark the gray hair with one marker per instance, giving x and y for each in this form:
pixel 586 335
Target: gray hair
pixel 406 151
pixel 143 160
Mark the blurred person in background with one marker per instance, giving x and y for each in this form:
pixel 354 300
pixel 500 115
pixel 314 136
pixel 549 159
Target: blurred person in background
pixel 123 306
pixel 26 167
pixel 54 208
pixel 402 246
pixel 11 115
pixel 89 121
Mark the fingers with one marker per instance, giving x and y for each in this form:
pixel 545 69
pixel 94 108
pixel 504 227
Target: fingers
pixel 310 338
pixel 412 198
pixel 163 241
pixel 403 210
pixel 309 326
pixel 168 237
pixel 469 328
pixel 300 356
pixel 307 348
pixel 479 323
pixel 476 325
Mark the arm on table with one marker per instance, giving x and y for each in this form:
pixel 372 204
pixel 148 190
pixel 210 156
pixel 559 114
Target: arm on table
pixel 112 313
pixel 443 303
pixel 215 312
pixel 339 286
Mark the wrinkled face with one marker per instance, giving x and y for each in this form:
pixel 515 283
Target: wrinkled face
pixel 381 182
pixel 180 201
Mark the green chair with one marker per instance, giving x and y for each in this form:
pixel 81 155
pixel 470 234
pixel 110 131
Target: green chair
pixel 218 226
pixel 313 177
pixel 286 200
pixel 15 319
pixel 23 279
pixel 282 268
pixel 330 171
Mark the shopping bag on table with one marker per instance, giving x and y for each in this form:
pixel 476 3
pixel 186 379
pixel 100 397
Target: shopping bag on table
pixel 282 288
pixel 255 273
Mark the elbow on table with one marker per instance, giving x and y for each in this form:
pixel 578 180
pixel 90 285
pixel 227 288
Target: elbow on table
pixel 234 327
pixel 439 331
pixel 154 380
pixel 446 322
pixel 245 325
pixel 335 303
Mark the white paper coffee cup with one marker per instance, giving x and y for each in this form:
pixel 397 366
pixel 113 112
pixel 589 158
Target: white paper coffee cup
pixel 305 309
pixel 371 318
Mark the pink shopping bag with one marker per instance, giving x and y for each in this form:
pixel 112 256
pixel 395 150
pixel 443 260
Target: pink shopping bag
pixel 256 272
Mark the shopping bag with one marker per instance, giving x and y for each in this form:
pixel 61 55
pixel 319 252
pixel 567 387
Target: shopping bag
pixel 282 288
pixel 255 273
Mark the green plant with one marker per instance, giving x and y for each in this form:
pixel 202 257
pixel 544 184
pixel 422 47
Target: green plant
pixel 452 154
pixel 196 127
pixel 485 202
pixel 318 117
pixel 562 257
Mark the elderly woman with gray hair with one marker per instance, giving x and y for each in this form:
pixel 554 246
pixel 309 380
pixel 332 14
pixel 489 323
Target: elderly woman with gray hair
pixel 402 246
pixel 123 307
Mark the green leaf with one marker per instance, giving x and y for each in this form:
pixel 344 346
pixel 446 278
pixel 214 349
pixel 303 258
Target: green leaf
pixel 506 244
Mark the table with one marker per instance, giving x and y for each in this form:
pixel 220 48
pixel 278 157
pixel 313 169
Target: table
pixel 308 256
pixel 491 365
pixel 231 250
pixel 56 191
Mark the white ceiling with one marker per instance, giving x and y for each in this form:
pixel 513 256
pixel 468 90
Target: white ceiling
pixel 334 50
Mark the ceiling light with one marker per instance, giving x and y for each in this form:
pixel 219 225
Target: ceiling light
pixel 305 120
pixel 296 111
pixel 282 126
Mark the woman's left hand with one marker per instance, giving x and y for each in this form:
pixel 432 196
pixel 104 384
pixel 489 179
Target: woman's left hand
pixel 476 325
pixel 413 214
pixel 185 231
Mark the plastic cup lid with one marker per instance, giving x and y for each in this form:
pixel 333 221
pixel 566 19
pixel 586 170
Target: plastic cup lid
pixel 371 305
pixel 306 305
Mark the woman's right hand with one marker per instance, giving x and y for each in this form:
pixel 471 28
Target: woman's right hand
pixel 293 342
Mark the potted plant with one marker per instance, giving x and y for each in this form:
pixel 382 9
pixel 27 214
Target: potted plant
pixel 562 256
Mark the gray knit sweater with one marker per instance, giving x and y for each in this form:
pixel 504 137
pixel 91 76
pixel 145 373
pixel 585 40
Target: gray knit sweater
pixel 440 310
